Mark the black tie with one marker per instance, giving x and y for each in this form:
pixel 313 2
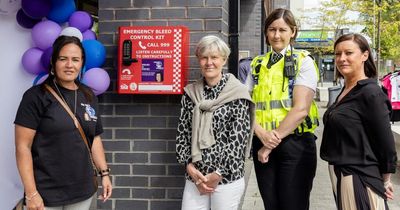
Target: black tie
pixel 275 58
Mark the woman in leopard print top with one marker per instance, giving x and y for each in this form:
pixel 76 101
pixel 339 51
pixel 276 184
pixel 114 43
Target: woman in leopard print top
pixel 213 131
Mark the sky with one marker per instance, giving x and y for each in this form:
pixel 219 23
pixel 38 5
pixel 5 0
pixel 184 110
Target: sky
pixel 316 3
pixel 311 3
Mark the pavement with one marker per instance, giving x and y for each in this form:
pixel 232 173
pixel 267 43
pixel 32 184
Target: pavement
pixel 321 194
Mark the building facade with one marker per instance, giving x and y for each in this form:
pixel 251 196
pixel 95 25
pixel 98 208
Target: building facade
pixel 250 30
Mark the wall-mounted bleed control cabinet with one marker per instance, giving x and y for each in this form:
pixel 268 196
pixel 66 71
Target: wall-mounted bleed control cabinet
pixel 152 59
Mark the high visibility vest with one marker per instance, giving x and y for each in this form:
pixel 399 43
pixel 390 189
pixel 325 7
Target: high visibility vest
pixel 272 93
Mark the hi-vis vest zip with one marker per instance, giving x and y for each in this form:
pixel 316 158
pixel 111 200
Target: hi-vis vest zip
pixel 271 93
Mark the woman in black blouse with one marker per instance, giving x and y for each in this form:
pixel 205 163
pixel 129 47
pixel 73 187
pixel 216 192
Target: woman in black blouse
pixel 357 140
pixel 213 131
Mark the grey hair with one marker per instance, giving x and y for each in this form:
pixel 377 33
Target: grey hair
pixel 211 43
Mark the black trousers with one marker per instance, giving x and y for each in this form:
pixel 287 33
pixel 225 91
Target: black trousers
pixel 285 181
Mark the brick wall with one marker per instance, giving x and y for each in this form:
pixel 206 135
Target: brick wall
pixel 140 130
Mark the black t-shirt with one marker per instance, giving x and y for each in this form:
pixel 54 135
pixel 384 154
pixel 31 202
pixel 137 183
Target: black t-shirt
pixel 357 134
pixel 62 167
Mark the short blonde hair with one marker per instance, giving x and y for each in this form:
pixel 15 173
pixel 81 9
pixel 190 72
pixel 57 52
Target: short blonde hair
pixel 212 43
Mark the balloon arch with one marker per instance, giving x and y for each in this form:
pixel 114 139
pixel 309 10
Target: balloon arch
pixel 49 19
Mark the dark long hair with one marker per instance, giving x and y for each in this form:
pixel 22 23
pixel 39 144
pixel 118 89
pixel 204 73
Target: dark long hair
pixel 58 44
pixel 369 65
pixel 287 16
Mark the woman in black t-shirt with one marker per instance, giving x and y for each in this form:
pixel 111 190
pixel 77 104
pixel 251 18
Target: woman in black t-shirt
pixel 357 140
pixel 53 160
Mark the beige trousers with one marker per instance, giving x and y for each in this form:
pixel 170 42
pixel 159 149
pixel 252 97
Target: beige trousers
pixel 347 195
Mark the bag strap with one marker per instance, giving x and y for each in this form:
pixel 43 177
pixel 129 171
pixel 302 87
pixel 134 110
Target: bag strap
pixel 76 122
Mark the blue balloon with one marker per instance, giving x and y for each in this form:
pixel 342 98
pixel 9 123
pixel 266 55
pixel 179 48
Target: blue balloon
pixel 95 53
pixel 40 78
pixel 61 10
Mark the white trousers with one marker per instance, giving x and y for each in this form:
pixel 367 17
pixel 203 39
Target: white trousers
pixel 82 205
pixel 225 197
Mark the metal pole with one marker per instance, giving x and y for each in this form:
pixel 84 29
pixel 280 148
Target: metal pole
pixel 378 39
pixel 262 26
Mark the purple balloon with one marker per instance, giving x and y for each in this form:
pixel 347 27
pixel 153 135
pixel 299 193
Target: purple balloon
pixel 45 59
pixel 45 33
pixel 31 61
pixel 24 20
pixel 89 35
pixel 81 20
pixel 97 79
pixel 36 9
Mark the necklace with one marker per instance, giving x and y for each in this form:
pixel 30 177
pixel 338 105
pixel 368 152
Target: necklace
pixel 62 97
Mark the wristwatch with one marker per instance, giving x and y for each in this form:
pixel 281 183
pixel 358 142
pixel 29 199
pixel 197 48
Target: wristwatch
pixel 218 172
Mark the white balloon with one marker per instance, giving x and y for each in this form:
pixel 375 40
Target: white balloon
pixel 8 7
pixel 72 31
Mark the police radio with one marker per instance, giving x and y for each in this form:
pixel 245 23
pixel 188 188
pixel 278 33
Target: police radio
pixel 290 66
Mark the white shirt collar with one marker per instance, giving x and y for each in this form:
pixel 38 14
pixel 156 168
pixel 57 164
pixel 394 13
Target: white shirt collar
pixel 283 51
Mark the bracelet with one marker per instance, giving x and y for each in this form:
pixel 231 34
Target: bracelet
pixel 103 175
pixel 218 172
pixel 105 171
pixel 29 198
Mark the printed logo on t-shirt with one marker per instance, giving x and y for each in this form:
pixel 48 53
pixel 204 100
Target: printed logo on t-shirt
pixel 90 113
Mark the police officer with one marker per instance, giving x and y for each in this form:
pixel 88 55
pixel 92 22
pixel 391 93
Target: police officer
pixel 283 85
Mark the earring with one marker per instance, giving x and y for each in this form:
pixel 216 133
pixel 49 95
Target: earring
pixel 52 71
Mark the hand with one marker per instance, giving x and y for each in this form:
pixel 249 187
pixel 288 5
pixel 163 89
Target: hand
pixel 389 190
pixel 199 179
pixel 204 189
pixel 210 185
pixel 213 180
pixel 196 175
pixel 107 188
pixel 263 154
pixel 270 139
pixel 36 203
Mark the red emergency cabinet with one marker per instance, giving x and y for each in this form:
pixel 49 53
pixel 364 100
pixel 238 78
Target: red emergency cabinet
pixel 152 59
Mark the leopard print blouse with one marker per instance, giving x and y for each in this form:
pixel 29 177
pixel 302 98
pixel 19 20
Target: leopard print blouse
pixel 231 127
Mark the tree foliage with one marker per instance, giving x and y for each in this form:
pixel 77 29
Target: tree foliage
pixel 334 15
pixel 389 26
